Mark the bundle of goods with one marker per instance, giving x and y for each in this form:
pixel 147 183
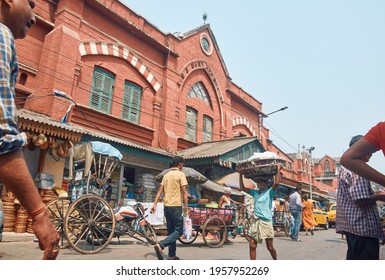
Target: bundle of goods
pixel 21 220
pixel 259 165
pixel 47 195
pixel 146 187
pixel 29 225
pixel 9 209
pixel 60 192
pixel 44 181
pixel 199 215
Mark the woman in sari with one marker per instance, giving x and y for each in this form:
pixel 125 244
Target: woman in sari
pixel 308 219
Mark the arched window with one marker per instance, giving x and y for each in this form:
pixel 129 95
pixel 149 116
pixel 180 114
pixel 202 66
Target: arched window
pixel 198 91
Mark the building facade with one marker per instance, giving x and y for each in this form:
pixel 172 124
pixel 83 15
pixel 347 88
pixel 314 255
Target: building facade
pixel 96 70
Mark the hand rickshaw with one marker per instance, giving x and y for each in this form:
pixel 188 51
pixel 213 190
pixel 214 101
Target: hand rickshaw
pixel 215 225
pixel 85 220
pixel 211 223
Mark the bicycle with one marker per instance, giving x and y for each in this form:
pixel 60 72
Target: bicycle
pixel 242 224
pixel 281 220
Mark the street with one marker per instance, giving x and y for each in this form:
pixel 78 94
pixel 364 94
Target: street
pixel 324 245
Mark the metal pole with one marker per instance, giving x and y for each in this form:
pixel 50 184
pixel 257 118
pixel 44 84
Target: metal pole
pixel 310 185
pixel 260 128
pixel 310 172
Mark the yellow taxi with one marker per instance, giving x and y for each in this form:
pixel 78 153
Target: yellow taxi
pixel 332 214
pixel 320 215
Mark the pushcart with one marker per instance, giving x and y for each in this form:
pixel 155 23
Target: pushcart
pixel 85 220
pixel 213 224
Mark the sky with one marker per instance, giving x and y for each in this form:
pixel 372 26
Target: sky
pixel 325 60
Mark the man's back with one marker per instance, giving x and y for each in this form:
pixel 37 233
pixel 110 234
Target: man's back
pixel 172 183
pixel 293 201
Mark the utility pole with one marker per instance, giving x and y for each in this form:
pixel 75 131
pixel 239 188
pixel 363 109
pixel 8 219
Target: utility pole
pixel 310 171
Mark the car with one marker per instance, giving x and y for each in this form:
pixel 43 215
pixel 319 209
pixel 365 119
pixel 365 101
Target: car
pixel 320 215
pixel 332 214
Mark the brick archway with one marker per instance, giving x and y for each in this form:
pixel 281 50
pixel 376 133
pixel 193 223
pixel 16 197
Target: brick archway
pixel 246 123
pixel 120 51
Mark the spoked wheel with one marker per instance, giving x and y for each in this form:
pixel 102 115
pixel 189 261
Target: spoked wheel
pixel 194 235
pixel 148 232
pixel 89 224
pixel 57 210
pixel 214 232
pixel 287 226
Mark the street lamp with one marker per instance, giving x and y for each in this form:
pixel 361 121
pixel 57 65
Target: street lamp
pixel 310 171
pixel 261 117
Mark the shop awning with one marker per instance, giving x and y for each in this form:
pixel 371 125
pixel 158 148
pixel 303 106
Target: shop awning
pixel 222 152
pixel 212 186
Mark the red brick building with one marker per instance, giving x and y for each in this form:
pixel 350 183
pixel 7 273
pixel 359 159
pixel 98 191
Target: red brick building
pixel 119 79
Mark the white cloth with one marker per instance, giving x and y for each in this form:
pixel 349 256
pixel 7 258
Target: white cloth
pixel 156 218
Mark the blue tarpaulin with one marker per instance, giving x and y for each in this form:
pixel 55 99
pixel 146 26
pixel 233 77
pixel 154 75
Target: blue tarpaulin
pixel 105 149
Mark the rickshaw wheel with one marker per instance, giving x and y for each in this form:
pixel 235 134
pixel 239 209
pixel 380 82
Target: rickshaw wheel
pixel 57 210
pixel 286 226
pixel 194 236
pixel 214 232
pixel 89 224
pixel 149 233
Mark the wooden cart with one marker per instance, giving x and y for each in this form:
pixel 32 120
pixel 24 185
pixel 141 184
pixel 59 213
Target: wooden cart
pixel 85 220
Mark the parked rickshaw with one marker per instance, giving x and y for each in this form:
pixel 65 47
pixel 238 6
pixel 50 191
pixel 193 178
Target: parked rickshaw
pixel 84 219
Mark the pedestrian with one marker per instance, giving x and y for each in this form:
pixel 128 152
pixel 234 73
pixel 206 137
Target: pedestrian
pixel 354 158
pixel 174 188
pixel 288 213
pixel 262 223
pixel 358 217
pixel 108 190
pixel 308 219
pixel 16 18
pixel 226 200
pixel 295 206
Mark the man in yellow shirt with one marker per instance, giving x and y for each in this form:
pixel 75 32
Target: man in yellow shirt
pixel 173 187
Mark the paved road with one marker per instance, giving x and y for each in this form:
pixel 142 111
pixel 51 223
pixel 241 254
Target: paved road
pixel 324 245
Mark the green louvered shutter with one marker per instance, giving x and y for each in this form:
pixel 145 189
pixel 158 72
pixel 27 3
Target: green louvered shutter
pixel 131 102
pixel 101 92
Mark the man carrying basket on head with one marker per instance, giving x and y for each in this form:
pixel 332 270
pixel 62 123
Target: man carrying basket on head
pixel 262 225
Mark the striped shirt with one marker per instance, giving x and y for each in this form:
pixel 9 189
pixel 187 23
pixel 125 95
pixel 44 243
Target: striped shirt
pixel 361 220
pixel 10 137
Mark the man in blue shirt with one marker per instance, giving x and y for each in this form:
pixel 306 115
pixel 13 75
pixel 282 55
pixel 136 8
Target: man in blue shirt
pixel 262 226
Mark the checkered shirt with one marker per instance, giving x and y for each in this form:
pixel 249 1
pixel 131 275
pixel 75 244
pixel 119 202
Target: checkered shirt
pixel 10 137
pixel 361 220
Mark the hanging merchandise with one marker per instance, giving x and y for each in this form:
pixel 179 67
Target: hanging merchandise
pixel 146 187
